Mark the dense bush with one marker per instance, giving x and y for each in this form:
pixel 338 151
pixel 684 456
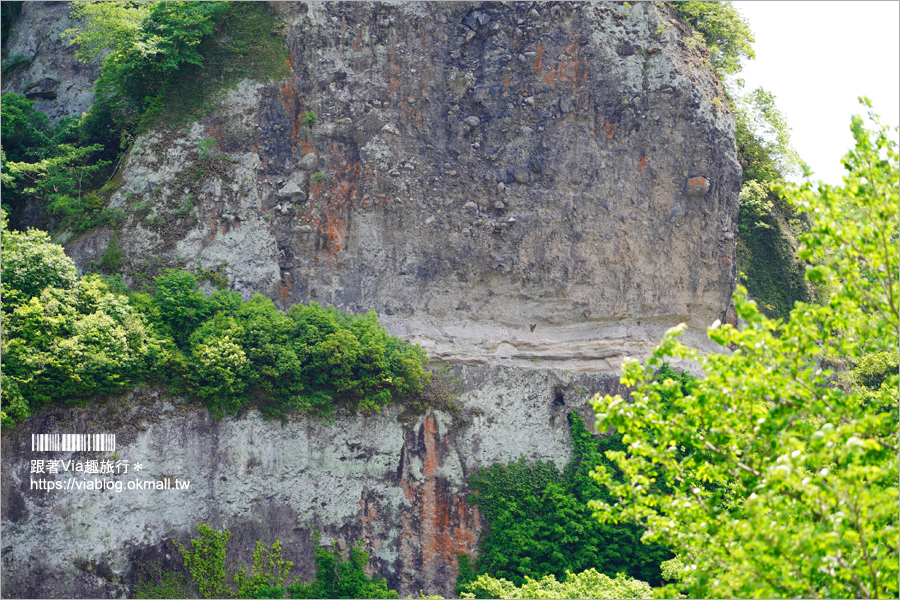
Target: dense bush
pixel 726 34
pixel 168 59
pixel 142 44
pixel 45 163
pixel 337 578
pixel 206 561
pixel 539 522
pixel 159 60
pixel 67 339
pixel 230 353
pixel 787 480
pixel 64 339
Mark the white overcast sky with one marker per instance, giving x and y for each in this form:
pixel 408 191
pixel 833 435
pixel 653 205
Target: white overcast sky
pixel 818 58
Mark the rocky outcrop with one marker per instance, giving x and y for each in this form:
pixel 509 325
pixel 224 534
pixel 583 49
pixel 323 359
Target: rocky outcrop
pixel 500 182
pixel 49 72
pixel 397 481
pixel 532 191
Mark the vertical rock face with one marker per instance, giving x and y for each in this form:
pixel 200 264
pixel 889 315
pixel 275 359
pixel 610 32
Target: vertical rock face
pixel 500 181
pixel 48 72
pixel 397 482
pixel 505 183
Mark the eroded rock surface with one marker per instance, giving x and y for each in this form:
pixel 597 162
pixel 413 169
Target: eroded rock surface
pixel 526 189
pixel 500 182
pixel 396 481
pixel 48 71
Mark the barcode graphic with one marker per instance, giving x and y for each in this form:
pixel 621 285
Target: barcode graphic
pixel 73 442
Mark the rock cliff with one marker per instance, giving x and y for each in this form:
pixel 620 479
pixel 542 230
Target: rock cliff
pixel 396 481
pixel 532 191
pixel 49 74
pixel 505 182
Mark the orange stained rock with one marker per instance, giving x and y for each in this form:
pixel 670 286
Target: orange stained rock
pixel 342 190
pixel 697 182
pixel 288 95
pixel 214 230
pixel 440 524
pixel 643 162
pixel 610 129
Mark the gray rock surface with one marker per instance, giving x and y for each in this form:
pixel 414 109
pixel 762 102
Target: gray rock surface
pixel 52 76
pixel 532 192
pixel 574 132
pixel 397 481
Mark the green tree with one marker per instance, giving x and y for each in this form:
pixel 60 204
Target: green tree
pixel 721 27
pixel 768 477
pixel 64 339
pixel 268 573
pixel 141 44
pixel 31 263
pixel 44 162
pixel 205 561
pixel 539 522
pixel 182 307
pixel 587 584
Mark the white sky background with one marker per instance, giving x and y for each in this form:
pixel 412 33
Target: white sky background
pixel 818 58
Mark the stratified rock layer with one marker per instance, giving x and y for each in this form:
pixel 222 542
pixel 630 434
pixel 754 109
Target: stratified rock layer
pixel 498 181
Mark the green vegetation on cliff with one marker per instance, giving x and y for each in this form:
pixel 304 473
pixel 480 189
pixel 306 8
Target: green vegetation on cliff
pixel 162 63
pixel 539 522
pixel 767 227
pixel 209 573
pixel 68 340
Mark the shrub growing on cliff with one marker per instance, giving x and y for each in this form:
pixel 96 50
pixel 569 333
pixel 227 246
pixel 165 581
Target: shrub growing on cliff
pixel 141 44
pixel 337 578
pixel 44 163
pixel 67 339
pixel 770 479
pixel 64 339
pixel 725 32
pixel 231 353
pixel 167 59
pixel 539 522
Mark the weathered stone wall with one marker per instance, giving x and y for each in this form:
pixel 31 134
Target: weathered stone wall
pixel 396 481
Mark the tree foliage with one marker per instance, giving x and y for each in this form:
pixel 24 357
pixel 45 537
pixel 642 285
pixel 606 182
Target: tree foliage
pixel 587 584
pixel 767 225
pixel 769 477
pixel 205 561
pixel 141 44
pixel 725 32
pixel 64 339
pixel 539 523
pixel 339 578
pixel 45 163
pixel 231 353
pixel 67 339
